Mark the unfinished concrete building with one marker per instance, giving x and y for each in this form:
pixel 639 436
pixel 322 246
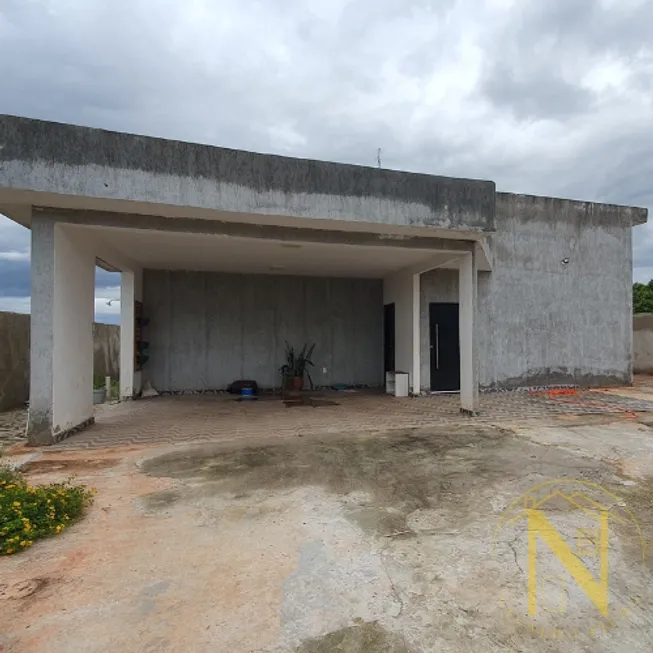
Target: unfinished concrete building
pixel 226 255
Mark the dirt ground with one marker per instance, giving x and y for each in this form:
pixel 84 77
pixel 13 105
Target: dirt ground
pixel 403 541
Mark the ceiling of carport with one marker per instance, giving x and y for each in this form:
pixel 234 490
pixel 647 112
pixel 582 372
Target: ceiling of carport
pixel 188 251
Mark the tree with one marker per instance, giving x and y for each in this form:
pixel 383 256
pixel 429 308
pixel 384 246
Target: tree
pixel 643 297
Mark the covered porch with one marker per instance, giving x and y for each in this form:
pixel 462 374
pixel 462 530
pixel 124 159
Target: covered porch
pixel 225 256
pixel 207 303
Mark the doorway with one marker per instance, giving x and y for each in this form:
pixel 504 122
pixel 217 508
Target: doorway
pixel 444 346
pixel 389 337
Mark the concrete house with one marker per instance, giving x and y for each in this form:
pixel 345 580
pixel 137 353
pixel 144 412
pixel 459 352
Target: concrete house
pixel 226 255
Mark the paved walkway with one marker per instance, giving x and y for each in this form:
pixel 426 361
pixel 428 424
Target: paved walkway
pixel 198 418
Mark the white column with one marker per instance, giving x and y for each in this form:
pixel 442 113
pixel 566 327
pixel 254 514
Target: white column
pixel 468 355
pixel 399 289
pixel 131 290
pixel 62 307
pixel 416 376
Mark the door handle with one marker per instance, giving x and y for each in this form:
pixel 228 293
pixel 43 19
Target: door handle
pixel 437 347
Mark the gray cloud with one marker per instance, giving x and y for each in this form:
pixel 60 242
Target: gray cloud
pixel 534 93
pixel 543 97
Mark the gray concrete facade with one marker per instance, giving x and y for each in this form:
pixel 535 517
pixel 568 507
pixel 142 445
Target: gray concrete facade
pixel 42 330
pixel 208 329
pixel 557 307
pixel 87 164
pixel 546 283
pixel 643 343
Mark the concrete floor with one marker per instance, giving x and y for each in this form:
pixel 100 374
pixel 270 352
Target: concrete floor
pixel 353 541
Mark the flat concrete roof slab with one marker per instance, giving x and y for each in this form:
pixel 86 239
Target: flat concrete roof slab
pixel 42 159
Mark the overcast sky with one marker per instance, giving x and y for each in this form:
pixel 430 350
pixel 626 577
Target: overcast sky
pixel 551 97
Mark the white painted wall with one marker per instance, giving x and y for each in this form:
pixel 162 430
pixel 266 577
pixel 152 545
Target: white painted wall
pixel 72 329
pixel 398 289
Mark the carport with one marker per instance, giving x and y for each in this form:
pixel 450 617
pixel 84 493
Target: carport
pixel 224 257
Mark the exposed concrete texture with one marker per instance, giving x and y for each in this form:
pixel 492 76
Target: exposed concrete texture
pixel 42 330
pixel 14 356
pixel 14 360
pixel 643 343
pixel 209 329
pixel 67 160
pixel 106 350
pixel 468 325
pixel 557 307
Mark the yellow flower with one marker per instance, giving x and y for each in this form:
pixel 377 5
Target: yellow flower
pixel 16 504
pixel 10 550
pixel 29 542
pixel 59 527
pixel 23 543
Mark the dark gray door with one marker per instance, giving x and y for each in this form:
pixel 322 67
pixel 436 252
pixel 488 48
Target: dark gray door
pixel 445 346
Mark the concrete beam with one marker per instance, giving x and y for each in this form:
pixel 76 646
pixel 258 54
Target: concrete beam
pixel 533 208
pixel 74 162
pixel 266 232
pixel 439 261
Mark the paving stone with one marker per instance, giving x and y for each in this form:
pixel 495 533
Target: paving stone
pixel 188 418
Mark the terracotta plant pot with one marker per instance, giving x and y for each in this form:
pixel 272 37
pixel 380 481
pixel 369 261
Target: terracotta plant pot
pixel 293 385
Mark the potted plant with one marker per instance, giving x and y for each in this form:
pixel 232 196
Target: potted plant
pixel 99 390
pixel 296 365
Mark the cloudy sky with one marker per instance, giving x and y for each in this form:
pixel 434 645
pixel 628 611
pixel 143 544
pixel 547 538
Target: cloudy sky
pixel 550 97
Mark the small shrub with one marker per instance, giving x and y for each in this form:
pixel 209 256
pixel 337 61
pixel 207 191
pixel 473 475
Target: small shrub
pixel 29 513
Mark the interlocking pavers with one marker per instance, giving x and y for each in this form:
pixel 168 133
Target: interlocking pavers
pixel 177 419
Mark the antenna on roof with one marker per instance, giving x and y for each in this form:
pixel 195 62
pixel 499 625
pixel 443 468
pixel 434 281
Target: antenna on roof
pixel 378 157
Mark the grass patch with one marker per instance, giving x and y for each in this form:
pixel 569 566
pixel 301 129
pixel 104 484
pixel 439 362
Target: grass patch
pixel 32 512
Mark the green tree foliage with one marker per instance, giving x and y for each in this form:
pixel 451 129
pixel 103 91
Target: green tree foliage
pixel 643 297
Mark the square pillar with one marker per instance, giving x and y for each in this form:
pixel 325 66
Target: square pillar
pixel 402 290
pixel 62 313
pixel 468 300
pixel 131 290
pixel 417 345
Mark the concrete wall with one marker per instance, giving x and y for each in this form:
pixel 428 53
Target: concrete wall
pixel 69 161
pixel 542 320
pixel 209 329
pixel 643 343
pixel 14 356
pixel 14 360
pixel 106 350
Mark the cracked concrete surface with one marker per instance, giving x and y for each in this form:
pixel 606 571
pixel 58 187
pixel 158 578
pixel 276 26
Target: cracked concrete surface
pixel 365 542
